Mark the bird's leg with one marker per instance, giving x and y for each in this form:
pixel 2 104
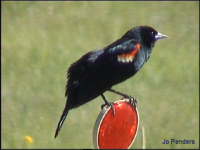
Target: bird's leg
pixel 132 100
pixel 119 93
pixel 107 103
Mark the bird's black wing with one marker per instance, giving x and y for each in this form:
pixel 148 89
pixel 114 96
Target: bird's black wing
pixel 77 70
pixel 75 75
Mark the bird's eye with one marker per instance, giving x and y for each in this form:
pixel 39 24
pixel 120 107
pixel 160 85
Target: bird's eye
pixel 152 33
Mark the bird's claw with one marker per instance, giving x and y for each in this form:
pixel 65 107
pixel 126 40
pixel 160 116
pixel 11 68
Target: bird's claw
pixel 131 100
pixel 109 104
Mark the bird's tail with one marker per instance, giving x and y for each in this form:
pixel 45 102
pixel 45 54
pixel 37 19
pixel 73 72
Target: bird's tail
pixel 62 119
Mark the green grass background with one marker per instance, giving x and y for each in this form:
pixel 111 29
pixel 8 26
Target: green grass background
pixel 41 39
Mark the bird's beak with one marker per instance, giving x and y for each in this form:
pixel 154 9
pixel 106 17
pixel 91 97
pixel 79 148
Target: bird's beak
pixel 160 36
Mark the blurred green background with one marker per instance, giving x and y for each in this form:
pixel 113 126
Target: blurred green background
pixel 41 39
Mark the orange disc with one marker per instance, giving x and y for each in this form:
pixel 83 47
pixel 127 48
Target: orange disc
pixel 116 131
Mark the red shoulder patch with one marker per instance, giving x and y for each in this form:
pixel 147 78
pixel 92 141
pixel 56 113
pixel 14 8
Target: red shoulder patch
pixel 129 57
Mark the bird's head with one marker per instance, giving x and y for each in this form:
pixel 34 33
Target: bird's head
pixel 145 35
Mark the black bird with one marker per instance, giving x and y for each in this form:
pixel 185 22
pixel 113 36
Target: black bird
pixel 97 71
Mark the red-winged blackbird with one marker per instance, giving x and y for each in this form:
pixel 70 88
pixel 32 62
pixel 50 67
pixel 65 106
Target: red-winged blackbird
pixel 97 71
